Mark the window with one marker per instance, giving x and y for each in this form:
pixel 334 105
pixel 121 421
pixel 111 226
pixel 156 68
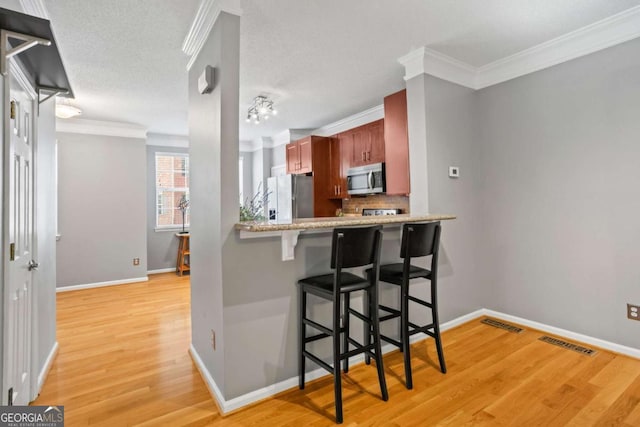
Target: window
pixel 172 183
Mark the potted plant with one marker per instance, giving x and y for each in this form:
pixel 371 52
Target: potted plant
pixel 253 209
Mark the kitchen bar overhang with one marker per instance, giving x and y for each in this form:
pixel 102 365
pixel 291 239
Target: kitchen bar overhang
pixel 290 231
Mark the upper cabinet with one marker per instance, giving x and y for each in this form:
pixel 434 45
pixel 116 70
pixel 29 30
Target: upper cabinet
pixel 313 154
pixel 396 144
pixel 340 158
pixel 368 143
pixel 299 156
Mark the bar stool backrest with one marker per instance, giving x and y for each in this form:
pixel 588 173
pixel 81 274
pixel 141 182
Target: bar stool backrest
pixel 420 239
pixel 355 246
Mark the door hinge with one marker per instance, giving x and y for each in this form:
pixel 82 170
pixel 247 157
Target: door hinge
pixel 12 252
pixel 13 110
pixel 10 399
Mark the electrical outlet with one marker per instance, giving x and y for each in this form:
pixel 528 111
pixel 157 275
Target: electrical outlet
pixel 633 312
pixel 454 172
pixel 136 261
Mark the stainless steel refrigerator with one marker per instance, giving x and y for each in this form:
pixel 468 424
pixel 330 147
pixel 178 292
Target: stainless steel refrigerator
pixel 290 197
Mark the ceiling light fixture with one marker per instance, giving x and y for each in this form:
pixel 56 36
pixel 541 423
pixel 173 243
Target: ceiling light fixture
pixel 64 110
pixel 261 109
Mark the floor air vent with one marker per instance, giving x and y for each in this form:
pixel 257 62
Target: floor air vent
pixel 568 345
pixel 501 325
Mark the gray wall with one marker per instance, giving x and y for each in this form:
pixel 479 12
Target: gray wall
pixel 257 171
pixel 46 224
pixel 450 136
pixel 213 151
pixel 101 208
pixel 162 245
pixel 559 189
pixel 247 169
pixel 278 155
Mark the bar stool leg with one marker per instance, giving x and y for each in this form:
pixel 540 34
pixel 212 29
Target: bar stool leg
pixel 345 321
pixel 375 323
pixel 302 307
pixel 404 339
pixel 366 333
pixel 436 327
pixel 337 380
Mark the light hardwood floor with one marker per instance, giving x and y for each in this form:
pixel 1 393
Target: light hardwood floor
pixel 124 360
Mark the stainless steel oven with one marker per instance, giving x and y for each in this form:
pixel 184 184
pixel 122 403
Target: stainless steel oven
pixel 368 179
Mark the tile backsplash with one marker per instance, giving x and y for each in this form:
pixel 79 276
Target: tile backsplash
pixel 355 205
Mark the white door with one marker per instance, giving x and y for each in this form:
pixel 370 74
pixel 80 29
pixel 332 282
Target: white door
pixel 18 190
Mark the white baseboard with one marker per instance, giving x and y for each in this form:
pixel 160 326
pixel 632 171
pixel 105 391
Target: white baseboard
pixel 268 391
pixel 214 390
pixel 101 284
pixel 585 339
pixel 162 270
pixel 42 376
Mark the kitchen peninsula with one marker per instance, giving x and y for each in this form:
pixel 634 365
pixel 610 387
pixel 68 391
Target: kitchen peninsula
pixel 320 223
pixel 290 231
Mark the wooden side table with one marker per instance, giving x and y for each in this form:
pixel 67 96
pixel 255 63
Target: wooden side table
pixel 183 261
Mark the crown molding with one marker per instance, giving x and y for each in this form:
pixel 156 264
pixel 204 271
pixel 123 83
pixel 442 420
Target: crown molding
pixel 207 14
pixel 288 135
pixel 265 142
pixel 35 8
pixel 428 61
pixel 166 140
pixel 358 119
pixel 98 127
pixel 605 33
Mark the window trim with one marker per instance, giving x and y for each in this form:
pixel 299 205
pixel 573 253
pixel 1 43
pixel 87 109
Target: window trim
pixel 159 189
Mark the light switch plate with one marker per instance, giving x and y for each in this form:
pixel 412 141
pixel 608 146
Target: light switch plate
pixel 454 172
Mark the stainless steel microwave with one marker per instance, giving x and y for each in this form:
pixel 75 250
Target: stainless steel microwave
pixel 368 179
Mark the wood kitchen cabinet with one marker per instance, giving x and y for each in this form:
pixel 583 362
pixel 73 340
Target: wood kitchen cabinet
pixel 299 156
pixel 396 144
pixel 340 158
pixel 368 144
pixel 313 155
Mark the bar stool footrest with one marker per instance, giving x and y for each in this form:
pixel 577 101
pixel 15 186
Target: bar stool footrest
pixel 355 352
pixel 391 341
pixel 425 329
pixel 316 337
pixel 317 326
pixel 389 309
pixel 360 316
pixel 388 317
pixel 419 301
pixel 318 361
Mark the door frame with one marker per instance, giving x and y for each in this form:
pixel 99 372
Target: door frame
pixel 16 72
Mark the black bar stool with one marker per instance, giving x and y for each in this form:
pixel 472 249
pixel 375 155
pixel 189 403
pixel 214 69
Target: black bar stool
pixel 418 240
pixel 351 247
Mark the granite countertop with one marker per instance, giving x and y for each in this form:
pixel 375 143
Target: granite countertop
pixel 332 222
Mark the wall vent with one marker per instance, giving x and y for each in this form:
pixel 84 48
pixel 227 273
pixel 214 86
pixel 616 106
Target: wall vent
pixel 502 325
pixel 568 345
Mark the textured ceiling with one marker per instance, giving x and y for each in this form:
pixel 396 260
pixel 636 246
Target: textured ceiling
pixel 11 4
pixel 124 59
pixel 327 59
pixel 320 60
